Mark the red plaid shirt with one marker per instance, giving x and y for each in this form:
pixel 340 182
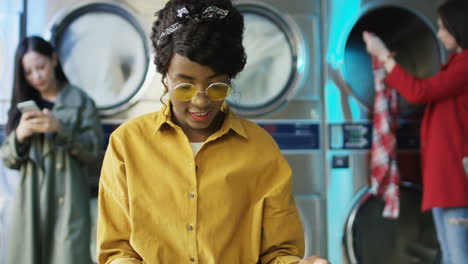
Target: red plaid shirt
pixel 385 178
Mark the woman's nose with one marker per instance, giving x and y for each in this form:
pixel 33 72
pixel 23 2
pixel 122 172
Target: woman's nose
pixel 35 75
pixel 201 99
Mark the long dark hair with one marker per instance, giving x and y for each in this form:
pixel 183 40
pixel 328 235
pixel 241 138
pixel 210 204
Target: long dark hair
pixel 22 91
pixel 454 16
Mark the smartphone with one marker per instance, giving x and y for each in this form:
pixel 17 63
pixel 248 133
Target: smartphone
pixel 28 106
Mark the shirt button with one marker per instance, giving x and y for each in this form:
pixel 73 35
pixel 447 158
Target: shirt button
pixel 192 259
pixel 191 195
pixel 61 200
pixel 189 227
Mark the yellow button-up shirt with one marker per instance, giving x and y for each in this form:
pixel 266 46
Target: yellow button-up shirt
pixel 231 203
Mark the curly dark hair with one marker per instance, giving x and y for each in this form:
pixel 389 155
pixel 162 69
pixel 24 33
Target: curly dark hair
pixel 454 16
pixel 216 43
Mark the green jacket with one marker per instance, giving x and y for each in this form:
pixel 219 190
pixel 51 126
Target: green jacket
pixel 50 218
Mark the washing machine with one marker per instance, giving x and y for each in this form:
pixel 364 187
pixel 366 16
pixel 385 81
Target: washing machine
pixel 104 47
pixel 280 90
pixel 357 232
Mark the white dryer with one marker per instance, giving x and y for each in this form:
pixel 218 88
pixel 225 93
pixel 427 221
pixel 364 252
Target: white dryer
pixel 104 49
pixel 280 90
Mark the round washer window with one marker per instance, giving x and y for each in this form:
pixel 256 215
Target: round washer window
pixel 104 51
pixel 411 37
pixel 411 238
pixel 272 44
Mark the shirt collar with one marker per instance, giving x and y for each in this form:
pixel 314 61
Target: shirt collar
pixel 66 96
pixel 231 121
pixel 162 117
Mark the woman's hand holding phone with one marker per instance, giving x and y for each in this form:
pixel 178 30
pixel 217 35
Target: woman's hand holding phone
pixel 33 122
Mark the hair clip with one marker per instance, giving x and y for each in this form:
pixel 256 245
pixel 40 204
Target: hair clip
pixel 168 31
pixel 182 12
pixel 213 12
pixel 183 15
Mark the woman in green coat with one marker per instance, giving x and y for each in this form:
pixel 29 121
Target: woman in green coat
pixel 51 147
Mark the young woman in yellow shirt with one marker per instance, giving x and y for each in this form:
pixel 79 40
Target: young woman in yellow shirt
pixel 194 183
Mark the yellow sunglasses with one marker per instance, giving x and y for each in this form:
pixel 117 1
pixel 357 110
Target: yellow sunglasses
pixel 216 91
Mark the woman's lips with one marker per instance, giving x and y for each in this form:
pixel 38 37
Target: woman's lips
pixel 40 84
pixel 200 116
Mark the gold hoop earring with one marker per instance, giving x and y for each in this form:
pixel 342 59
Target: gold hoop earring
pixel 165 90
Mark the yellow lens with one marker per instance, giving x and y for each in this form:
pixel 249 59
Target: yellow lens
pixel 218 91
pixel 184 91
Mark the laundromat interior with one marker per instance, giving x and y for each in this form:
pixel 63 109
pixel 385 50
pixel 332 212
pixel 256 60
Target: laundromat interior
pixel 308 81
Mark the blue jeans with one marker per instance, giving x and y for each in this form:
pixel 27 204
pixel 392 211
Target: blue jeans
pixel 452 232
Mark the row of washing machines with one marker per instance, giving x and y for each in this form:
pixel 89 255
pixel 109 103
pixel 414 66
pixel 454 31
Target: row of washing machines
pixel 308 81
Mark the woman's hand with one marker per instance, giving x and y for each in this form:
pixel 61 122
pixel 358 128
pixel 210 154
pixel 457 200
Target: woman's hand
pixel 50 123
pixel 27 126
pixel 313 260
pixel 36 122
pixel 375 46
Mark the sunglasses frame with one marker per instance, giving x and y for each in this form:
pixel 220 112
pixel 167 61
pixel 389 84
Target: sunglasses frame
pixel 205 92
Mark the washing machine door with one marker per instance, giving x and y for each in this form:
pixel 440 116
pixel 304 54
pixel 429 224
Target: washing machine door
pixel 310 211
pixel 410 36
pixel 104 51
pixel 370 238
pixel 275 60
